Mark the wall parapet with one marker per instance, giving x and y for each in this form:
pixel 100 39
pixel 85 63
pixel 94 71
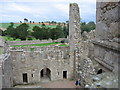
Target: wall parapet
pixel 107 44
pixel 28 42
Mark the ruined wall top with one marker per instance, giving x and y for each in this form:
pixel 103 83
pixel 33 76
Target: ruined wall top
pixel 74 26
pixel 107 0
pixel 107 20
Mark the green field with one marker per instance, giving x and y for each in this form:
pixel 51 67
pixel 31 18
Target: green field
pixel 43 44
pixel 5 25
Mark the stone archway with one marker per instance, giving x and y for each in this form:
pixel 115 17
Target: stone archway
pixel 45 74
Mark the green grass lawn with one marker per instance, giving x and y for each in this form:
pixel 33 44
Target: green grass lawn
pixel 5 25
pixel 7 38
pixel 63 44
pixel 43 44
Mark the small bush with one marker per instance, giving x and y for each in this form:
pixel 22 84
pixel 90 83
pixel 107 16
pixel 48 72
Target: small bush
pixel 63 41
pixel 32 49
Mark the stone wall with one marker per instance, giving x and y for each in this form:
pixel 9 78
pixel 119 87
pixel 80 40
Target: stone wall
pixel 105 47
pixel 85 66
pixel 97 50
pixel 1 42
pixel 0 74
pixel 106 44
pixel 74 35
pixel 107 20
pixel 28 42
pixel 79 47
pixel 32 62
pixel 85 56
pixel 6 75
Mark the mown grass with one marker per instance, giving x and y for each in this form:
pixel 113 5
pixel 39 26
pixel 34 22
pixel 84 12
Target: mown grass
pixel 63 45
pixel 43 44
pixel 8 38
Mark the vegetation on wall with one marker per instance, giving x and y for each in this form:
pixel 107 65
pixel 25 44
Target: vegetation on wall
pixel 87 26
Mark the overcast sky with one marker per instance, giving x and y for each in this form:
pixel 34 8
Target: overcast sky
pixel 44 10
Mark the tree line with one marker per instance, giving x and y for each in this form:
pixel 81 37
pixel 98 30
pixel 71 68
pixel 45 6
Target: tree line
pixel 43 32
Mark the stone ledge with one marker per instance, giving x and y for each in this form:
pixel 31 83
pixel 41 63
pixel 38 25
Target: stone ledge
pixel 107 44
pixel 106 65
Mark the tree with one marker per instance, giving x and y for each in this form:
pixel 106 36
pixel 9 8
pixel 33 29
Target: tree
pixel 87 27
pixel 43 25
pixel 36 32
pixel 25 20
pixel 56 33
pixel 20 21
pixel 41 33
pixel 22 31
pixel 91 25
pixel 11 30
pixel 67 22
pixel 53 22
pixel 65 31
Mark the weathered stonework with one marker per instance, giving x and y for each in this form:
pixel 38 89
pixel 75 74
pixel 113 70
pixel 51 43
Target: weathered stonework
pixel 6 72
pixel 32 62
pixel 107 20
pixel 93 57
pixel 28 42
pixel 106 51
pixel 74 34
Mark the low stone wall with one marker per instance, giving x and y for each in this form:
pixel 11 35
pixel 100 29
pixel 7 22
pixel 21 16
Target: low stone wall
pixel 28 42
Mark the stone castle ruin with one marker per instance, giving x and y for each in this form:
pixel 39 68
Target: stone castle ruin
pixel 93 57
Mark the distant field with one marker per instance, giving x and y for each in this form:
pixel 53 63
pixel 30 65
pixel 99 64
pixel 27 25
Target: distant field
pixel 5 25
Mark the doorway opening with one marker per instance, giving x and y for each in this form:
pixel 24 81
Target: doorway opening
pixel 65 74
pixel 45 74
pixel 99 71
pixel 25 79
pixel 41 73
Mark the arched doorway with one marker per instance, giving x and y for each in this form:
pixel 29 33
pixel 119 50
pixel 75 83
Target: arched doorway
pixel 45 75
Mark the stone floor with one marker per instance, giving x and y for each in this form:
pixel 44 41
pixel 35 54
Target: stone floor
pixel 51 84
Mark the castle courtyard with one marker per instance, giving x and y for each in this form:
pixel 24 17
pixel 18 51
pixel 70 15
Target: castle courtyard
pixel 51 84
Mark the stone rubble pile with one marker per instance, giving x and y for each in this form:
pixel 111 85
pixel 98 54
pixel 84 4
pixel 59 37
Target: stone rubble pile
pixel 104 80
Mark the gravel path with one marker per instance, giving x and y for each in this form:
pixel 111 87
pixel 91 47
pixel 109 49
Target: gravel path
pixel 51 84
pixel 59 84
